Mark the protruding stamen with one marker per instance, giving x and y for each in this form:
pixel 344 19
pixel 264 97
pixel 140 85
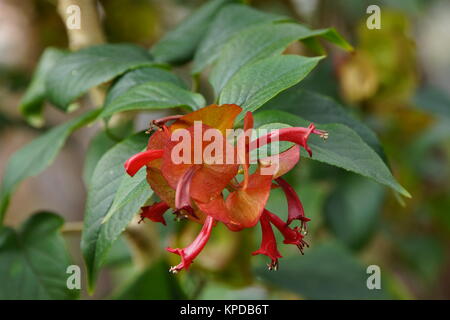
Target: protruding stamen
pixel 298 135
pixel 291 236
pixel 321 133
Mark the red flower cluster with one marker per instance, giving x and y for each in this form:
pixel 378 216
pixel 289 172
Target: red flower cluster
pixel 196 190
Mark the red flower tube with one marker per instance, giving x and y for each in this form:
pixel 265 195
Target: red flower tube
pixel 189 253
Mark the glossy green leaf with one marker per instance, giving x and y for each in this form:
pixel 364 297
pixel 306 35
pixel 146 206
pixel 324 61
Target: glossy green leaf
pixel 257 83
pixel 76 73
pixel 344 148
pixel 33 100
pixel 352 210
pixel 37 156
pixel 140 76
pixel 229 21
pixel 321 109
pixel 179 45
pixel 326 271
pixel 111 191
pixel 155 283
pixel 34 260
pixel 132 192
pixel 154 95
pixel 98 146
pixel 258 42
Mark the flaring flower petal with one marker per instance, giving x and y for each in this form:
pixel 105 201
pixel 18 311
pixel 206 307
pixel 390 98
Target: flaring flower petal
pixel 219 117
pixel 210 178
pixel 295 207
pixel 268 243
pixel 155 212
pixel 189 253
pixel 243 207
pixel 160 186
pixel 291 236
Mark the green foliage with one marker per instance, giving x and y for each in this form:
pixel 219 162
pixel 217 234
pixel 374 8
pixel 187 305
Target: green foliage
pixel 179 45
pixel 154 283
pixel 318 108
pixel 343 149
pixel 140 76
pixel 328 271
pixel 98 145
pixel 154 95
pixel 33 260
pixel 434 101
pixel 36 156
pixel 244 48
pixel 76 73
pixel 352 210
pixel 32 102
pixel 229 22
pixel 258 42
pixel 111 192
pixel 257 83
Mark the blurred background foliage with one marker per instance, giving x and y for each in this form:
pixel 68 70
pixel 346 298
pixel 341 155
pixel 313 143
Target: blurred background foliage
pixel 397 81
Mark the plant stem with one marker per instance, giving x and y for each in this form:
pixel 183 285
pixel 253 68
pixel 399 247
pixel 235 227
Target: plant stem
pixel 71 227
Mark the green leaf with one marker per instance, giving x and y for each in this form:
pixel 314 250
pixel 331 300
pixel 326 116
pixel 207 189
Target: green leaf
pixel 140 76
pixel 76 73
pixel 33 100
pixel 433 100
pixel 133 192
pixel 326 271
pixel 229 21
pixel 255 43
pixel 344 148
pixel 108 192
pixel 179 45
pixel 352 210
pixel 154 95
pixel 98 146
pixel 425 254
pixel 34 260
pixel 37 156
pixel 155 283
pixel 321 109
pixel 257 83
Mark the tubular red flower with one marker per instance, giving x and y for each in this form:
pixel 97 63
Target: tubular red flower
pixel 155 212
pixel 291 236
pixel 183 193
pixel 268 243
pixel 136 162
pixel 295 207
pixel 189 253
pixel 298 135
